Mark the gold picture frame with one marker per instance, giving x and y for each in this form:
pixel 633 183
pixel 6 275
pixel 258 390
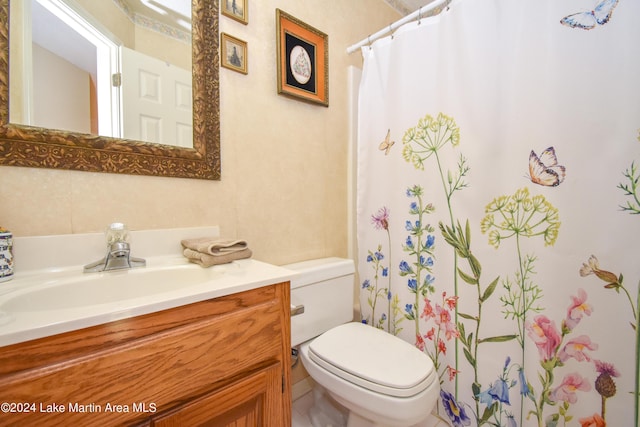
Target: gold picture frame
pixel 236 9
pixel 303 60
pixel 234 53
pixel 37 147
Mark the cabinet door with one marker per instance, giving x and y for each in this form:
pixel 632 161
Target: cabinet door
pixel 253 400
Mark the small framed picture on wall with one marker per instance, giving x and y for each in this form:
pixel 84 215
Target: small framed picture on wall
pixel 303 60
pixel 234 53
pixel 236 9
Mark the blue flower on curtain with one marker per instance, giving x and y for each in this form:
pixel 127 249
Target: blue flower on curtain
pixel 524 386
pixel 455 411
pixel 497 394
pixel 389 320
pixel 374 290
pixel 380 221
pixel 417 247
pixel 408 308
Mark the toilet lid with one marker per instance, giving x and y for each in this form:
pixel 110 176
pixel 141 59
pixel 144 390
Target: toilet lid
pixel 373 359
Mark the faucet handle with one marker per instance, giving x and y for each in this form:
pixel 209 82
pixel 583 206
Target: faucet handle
pixel 116 232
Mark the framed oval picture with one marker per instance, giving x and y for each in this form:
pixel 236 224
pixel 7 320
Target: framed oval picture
pixel 303 60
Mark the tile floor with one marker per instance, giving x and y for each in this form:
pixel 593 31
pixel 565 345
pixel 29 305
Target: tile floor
pixel 302 405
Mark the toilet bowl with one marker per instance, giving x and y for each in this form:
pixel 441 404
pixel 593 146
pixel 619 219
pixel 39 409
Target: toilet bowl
pixel 380 379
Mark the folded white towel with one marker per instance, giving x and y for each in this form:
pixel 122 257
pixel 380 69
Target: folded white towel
pixel 214 246
pixel 206 260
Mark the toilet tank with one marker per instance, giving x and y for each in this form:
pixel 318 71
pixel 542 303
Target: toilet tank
pixel 325 288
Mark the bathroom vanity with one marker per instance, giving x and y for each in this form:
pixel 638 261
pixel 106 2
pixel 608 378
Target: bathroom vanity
pixel 170 344
pixel 218 361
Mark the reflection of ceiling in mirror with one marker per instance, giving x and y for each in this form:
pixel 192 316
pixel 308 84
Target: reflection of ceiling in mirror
pixel 52 34
pixel 170 17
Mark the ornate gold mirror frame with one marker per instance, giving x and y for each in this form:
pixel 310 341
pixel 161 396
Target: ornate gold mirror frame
pixel 46 148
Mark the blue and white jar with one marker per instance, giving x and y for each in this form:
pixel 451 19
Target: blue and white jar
pixel 6 255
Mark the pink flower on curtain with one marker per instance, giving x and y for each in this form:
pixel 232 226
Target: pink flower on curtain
pixel 442 316
pixel 545 335
pixel 442 347
pixel 593 421
pixel 452 372
pixel 427 312
pixel 443 320
pixel 431 333
pixel 380 219
pixel 451 331
pixel 576 349
pixel 451 301
pixel 419 342
pixel 566 391
pixel 577 310
pixel 606 368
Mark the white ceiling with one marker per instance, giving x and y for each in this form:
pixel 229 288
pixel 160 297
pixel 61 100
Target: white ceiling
pixel 405 7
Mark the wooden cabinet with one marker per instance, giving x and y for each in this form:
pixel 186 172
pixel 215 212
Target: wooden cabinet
pixel 220 362
pixel 250 401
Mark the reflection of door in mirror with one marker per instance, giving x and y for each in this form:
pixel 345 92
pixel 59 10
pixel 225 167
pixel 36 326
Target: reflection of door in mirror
pixel 158 97
pixel 71 75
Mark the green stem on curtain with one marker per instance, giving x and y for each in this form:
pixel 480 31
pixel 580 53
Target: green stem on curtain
pixel 376 292
pixel 636 400
pixel 418 270
pixel 635 316
pixel 389 287
pixel 545 391
pixel 476 344
pixel 455 259
pixel 522 318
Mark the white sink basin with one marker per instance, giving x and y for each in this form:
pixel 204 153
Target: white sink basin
pixel 90 289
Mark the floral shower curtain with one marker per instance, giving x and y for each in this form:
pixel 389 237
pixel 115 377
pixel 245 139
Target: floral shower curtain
pixel 498 202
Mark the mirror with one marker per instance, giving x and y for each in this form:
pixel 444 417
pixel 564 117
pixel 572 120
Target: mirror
pixel 122 68
pixel 22 145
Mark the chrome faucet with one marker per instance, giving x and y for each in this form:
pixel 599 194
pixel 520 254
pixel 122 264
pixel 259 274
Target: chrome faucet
pixel 118 252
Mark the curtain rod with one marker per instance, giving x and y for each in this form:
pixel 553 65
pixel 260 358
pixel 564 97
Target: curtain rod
pixel 412 16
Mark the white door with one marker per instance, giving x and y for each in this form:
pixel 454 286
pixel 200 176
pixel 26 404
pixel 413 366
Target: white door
pixel 157 100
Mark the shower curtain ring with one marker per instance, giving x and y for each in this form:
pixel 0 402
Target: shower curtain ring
pixel 369 41
pixel 419 16
pixel 391 30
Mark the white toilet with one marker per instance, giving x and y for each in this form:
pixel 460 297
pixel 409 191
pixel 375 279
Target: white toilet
pixel 380 379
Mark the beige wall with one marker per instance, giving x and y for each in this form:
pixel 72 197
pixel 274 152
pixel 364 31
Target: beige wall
pixel 284 162
pixel 67 102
